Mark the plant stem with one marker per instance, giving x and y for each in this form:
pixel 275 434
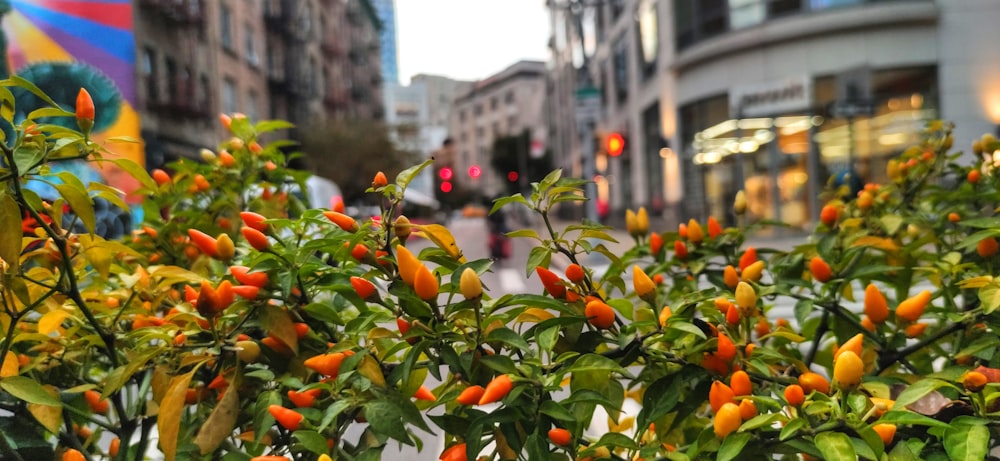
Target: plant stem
pixel 892 357
pixel 824 325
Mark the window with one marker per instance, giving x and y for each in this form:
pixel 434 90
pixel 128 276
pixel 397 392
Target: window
pixel 620 70
pixel 746 13
pixel 477 110
pixel 509 97
pixel 250 45
pixel 204 93
pixel 171 80
pixel 228 95
pixel 226 27
pixel 149 74
pixel 461 115
pixel 252 106
pixel 649 45
pixel 493 103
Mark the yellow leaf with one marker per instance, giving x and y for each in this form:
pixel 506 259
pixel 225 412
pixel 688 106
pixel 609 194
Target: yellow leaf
pixel 171 409
pixel 441 237
pixel 534 314
pixel 976 282
pixel 881 243
pixel 51 321
pixel 380 333
pixel 220 423
pixel 625 424
pixel 848 292
pixel 370 369
pixel 49 416
pixel 278 323
pixel 851 223
pixel 10 365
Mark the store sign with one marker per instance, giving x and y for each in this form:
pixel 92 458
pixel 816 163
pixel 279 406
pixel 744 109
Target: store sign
pixel 771 98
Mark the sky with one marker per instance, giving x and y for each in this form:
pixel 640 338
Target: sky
pixel 468 39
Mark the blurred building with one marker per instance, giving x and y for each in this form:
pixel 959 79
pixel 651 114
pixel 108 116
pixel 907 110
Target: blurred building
pixel 296 60
pixel 504 104
pixel 770 96
pixel 386 10
pixel 417 115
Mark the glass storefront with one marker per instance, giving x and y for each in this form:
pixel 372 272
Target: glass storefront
pixel 769 157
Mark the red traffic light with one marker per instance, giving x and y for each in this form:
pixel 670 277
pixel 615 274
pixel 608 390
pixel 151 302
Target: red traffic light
pixel 445 187
pixel 615 144
pixel 445 173
pixel 475 171
pixel 512 176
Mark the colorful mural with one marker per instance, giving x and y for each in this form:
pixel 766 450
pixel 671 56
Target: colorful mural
pixel 63 45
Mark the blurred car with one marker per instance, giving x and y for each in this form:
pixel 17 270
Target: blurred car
pixel 323 193
pixel 474 211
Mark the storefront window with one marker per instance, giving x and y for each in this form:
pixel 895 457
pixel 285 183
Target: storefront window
pixel 903 100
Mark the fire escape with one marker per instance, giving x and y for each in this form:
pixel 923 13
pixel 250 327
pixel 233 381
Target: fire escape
pixel 183 98
pixel 288 76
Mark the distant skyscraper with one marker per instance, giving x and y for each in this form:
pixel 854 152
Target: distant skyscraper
pixel 386 10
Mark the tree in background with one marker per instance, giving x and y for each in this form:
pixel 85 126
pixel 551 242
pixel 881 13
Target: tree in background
pixel 350 152
pixel 512 154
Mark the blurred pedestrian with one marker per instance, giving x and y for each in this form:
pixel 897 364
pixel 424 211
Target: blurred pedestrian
pixel 499 243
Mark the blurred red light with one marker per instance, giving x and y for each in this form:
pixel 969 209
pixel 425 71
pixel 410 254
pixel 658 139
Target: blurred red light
pixel 512 176
pixel 446 186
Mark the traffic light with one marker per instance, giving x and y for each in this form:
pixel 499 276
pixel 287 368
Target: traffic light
pixel 445 175
pixel 614 143
pixel 475 171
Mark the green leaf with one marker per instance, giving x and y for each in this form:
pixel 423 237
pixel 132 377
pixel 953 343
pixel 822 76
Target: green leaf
pixel 595 362
pixel 764 420
pixel 891 223
pixel 616 440
pixel 389 421
pixel 137 172
pixel 26 157
pixel 75 194
pixel 733 445
pixel 982 223
pixel 909 418
pixel 502 201
pixel 989 295
pixel 10 232
pixel 311 440
pixel 23 83
pixel 404 177
pixel 538 256
pixel 529 233
pixel 124 140
pixel 49 112
pixel 28 390
pixel 266 126
pixel 660 398
pixel 6 104
pixel 509 337
pixel 915 391
pixel 835 446
pixel 556 410
pixel 791 429
pixel 967 442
